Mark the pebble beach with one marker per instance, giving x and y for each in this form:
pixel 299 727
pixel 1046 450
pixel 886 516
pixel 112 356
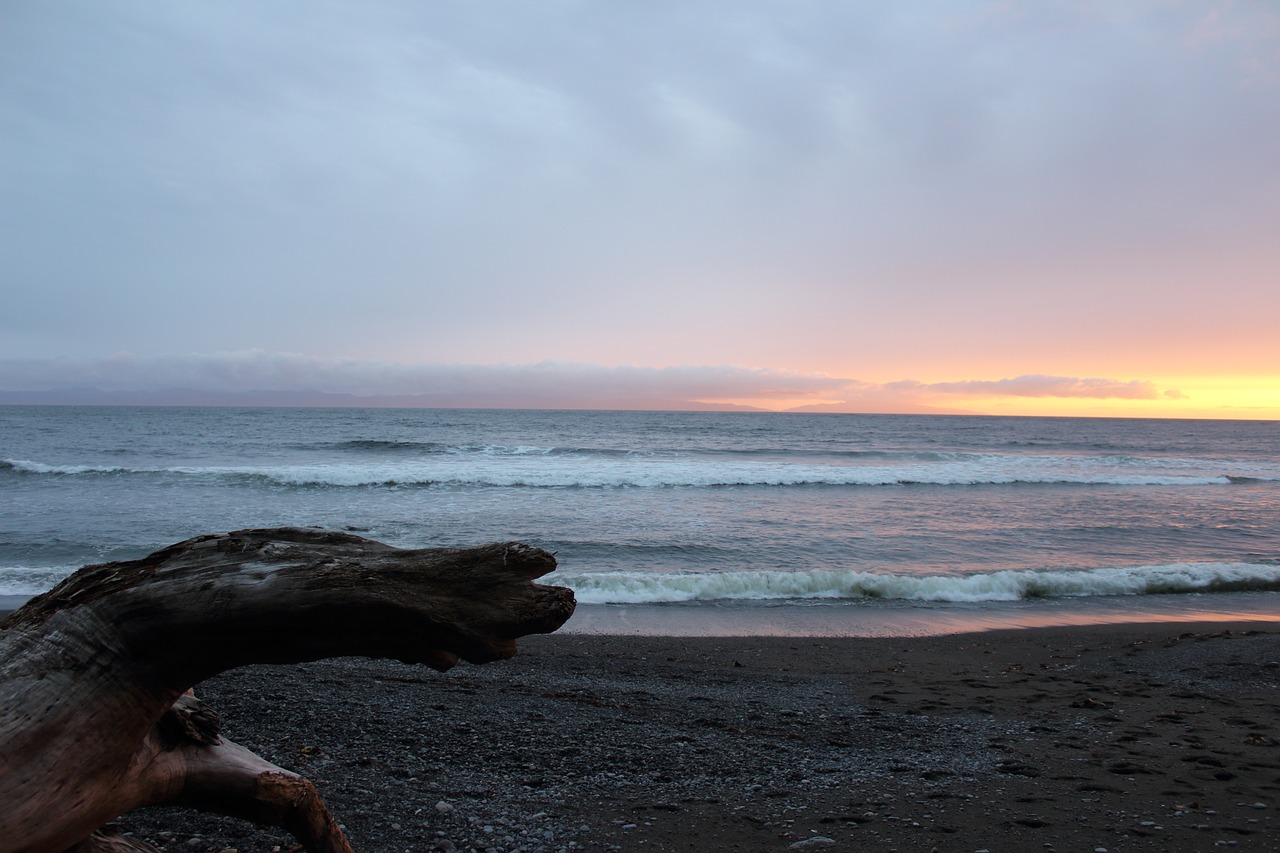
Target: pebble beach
pixel 1153 736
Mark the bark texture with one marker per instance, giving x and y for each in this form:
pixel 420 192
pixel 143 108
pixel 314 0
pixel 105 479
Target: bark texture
pixel 96 714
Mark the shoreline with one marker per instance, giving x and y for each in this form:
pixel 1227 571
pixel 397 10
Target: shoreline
pixel 1150 736
pixel 869 619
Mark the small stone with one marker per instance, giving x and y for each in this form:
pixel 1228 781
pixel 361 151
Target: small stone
pixel 816 841
pixel 444 808
pixel 1259 805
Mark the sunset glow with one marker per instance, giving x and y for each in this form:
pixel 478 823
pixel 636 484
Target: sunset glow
pixel 1238 398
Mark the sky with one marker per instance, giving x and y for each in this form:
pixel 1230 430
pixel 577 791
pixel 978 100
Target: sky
pixel 1059 208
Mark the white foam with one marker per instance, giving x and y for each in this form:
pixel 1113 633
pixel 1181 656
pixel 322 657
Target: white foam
pixel 31 580
pixel 657 587
pixel 538 467
pixel 31 467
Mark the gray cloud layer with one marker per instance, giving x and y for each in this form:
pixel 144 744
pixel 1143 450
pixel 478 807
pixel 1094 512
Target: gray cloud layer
pixel 796 184
pixel 548 384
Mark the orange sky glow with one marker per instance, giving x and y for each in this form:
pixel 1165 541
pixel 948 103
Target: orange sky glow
pixel 1208 397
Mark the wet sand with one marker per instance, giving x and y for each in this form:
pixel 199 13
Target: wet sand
pixel 1132 737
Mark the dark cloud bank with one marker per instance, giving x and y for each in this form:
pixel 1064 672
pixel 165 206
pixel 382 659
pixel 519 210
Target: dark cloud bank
pixel 263 378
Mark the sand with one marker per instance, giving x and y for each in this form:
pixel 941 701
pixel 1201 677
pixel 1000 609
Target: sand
pixel 1135 737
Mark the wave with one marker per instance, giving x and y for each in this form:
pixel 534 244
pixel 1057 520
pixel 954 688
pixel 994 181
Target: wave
pixel 376 447
pixel 32 580
pixel 540 467
pixel 379 446
pixel 24 466
pixel 627 587
pixel 665 588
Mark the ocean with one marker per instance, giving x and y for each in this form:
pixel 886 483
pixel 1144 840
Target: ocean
pixel 728 523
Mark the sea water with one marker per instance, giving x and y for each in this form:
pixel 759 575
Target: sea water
pixel 693 522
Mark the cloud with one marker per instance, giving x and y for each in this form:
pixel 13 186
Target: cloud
pixel 691 182
pixel 544 383
pixel 289 377
pixel 1035 385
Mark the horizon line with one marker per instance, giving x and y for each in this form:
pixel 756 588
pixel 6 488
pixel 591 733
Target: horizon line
pixel 354 401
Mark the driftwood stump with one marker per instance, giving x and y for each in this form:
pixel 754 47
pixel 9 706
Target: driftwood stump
pixel 96 714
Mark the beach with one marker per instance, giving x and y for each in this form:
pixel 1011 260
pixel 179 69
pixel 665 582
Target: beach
pixel 1157 736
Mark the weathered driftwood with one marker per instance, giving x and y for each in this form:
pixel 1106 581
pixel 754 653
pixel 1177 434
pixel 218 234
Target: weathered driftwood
pixel 96 717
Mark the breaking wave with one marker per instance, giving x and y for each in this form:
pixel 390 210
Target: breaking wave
pixel 672 588
pixel 660 588
pixel 31 580
pixel 544 467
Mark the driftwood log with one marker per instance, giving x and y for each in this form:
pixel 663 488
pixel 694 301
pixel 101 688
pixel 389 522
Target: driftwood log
pixel 96 713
